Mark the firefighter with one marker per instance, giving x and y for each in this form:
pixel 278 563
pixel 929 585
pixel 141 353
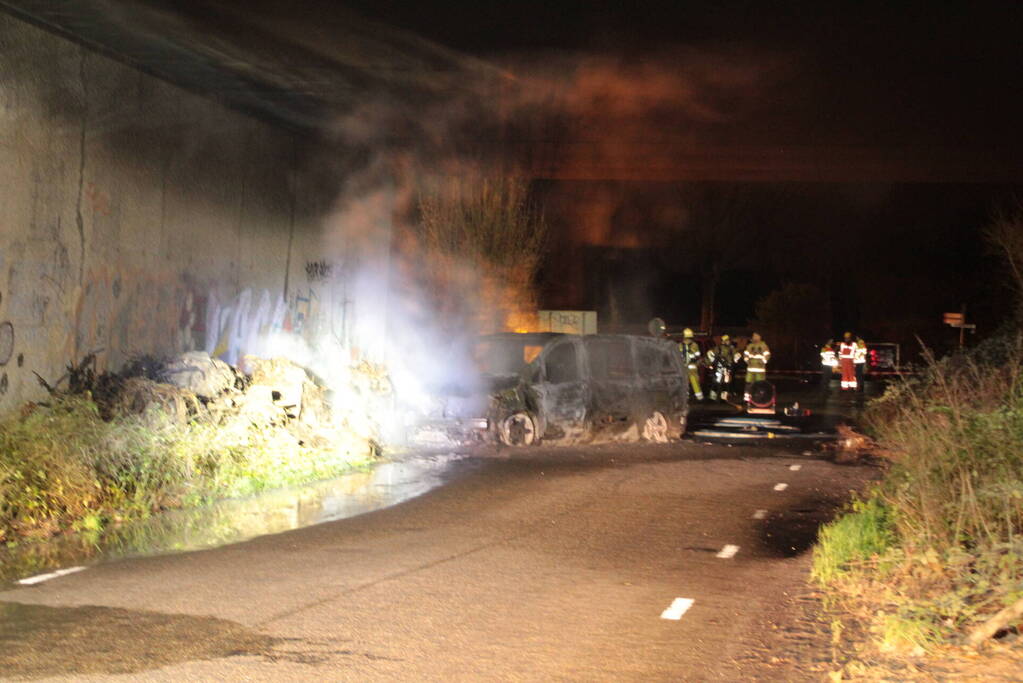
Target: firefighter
pixel 846 356
pixel 722 359
pixel 757 354
pixel 691 355
pixel 860 362
pixel 829 361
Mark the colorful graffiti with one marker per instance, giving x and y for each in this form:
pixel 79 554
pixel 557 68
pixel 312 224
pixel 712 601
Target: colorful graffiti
pixel 238 328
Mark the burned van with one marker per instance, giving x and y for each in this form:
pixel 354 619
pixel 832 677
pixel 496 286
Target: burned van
pixel 571 388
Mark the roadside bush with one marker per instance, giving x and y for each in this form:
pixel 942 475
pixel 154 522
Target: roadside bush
pixel 956 436
pixel 62 466
pixel 937 548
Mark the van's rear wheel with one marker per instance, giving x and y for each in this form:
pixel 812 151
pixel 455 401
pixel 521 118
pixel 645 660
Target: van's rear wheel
pixel 655 428
pixel 518 430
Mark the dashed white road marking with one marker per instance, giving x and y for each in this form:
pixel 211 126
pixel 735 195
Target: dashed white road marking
pixel 795 468
pixel 728 552
pixel 678 607
pixel 780 487
pixel 760 514
pixel 39 578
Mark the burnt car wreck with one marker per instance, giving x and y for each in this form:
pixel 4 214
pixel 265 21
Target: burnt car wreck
pixel 565 388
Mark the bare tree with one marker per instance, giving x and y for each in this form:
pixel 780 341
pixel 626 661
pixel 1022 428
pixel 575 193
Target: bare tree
pixel 489 236
pixel 1005 237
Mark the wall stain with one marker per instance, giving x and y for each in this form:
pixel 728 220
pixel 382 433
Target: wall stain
pixel 6 341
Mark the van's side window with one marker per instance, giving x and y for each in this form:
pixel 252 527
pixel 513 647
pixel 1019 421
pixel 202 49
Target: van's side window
pixel 610 358
pixel 649 359
pixel 562 364
pixel 668 366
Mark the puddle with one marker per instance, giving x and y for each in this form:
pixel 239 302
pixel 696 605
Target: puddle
pixel 792 532
pixel 232 521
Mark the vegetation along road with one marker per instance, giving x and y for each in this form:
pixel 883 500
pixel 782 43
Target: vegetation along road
pixel 682 561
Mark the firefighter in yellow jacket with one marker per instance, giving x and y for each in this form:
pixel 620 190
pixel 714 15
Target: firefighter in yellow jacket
pixel 691 356
pixel 721 359
pixel 757 354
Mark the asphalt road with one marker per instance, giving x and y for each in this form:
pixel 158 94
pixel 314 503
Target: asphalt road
pixel 545 564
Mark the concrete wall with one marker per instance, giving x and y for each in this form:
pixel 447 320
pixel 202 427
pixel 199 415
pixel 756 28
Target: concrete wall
pixel 136 218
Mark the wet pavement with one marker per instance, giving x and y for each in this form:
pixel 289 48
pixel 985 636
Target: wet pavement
pixel 35 642
pixel 529 564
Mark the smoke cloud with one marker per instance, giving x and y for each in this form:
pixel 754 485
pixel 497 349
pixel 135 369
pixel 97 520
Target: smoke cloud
pixel 411 310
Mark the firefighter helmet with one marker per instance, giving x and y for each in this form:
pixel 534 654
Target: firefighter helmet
pixel 687 333
pixel 656 327
pixel 725 339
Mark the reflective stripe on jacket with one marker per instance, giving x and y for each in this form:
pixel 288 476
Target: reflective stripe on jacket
pixel 757 354
pixel 860 355
pixel 690 353
pixel 723 356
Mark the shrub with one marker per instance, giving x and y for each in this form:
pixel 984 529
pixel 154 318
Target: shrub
pixel 944 527
pixel 62 466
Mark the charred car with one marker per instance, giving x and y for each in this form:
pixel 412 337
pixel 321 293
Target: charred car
pixel 571 389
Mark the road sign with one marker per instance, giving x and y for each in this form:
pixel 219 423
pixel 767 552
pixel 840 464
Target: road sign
pixel 954 319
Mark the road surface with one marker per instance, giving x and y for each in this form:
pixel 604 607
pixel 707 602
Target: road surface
pixel 683 561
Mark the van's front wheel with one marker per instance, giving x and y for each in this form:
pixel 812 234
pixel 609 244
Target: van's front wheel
pixel 518 430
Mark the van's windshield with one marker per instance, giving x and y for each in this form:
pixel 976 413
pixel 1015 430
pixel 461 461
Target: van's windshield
pixel 505 355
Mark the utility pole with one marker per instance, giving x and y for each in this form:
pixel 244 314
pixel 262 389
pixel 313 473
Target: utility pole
pixel 962 328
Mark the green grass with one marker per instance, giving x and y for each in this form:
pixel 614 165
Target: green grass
pixel 63 467
pixel 852 540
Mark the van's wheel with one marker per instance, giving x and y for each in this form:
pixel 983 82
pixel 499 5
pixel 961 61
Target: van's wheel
pixel 655 428
pixel 518 430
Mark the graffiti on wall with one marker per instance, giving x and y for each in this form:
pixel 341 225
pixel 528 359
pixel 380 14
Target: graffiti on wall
pixel 241 326
pixel 124 314
pixel 320 312
pixel 121 314
pixel 317 271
